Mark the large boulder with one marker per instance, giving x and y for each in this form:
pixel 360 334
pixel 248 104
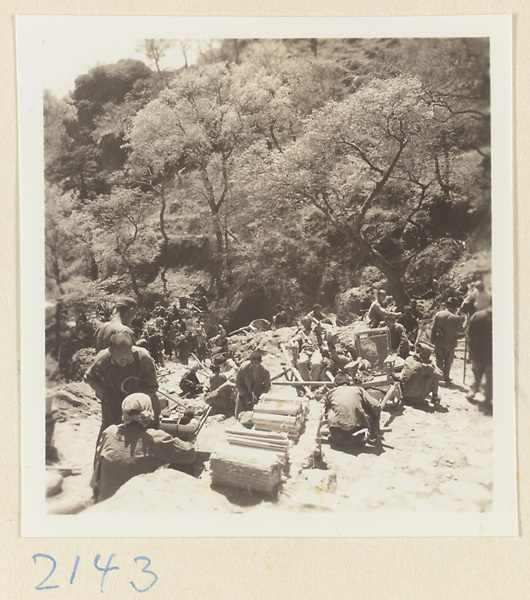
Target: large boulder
pixel 268 342
pixel 80 363
pixel 353 302
pixel 222 400
pixel 347 335
pixel 77 394
pixel 427 267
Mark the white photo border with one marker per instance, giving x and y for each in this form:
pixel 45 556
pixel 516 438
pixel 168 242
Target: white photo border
pixel 31 31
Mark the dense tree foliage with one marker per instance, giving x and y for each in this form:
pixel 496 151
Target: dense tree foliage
pixel 304 161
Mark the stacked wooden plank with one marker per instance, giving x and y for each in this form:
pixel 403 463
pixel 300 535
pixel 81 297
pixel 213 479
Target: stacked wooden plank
pixel 254 458
pixel 279 414
pixel 248 468
pixel 277 443
pixel 279 397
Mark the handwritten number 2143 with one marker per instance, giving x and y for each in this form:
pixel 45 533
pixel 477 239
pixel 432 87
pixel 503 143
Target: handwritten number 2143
pixel 103 569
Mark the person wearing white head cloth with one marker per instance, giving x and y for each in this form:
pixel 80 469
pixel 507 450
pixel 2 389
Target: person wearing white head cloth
pixel 133 448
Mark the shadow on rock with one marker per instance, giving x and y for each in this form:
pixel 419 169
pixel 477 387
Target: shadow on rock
pixel 196 467
pixel 375 449
pixel 429 408
pixel 397 411
pixel 454 386
pixel 243 497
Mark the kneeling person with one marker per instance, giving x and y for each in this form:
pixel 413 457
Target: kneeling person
pixel 133 448
pixel 350 409
pixel 420 377
pixel 190 384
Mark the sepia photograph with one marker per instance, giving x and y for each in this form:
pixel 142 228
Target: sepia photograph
pixel 267 277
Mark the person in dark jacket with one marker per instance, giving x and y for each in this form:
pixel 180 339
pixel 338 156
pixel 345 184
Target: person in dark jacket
pixel 125 310
pixel 116 372
pixel 352 413
pixel 420 377
pixel 399 342
pixel 280 318
pixel 446 328
pixel 184 347
pixel 155 344
pixel 252 380
pixel 134 448
pixel 217 378
pixel 190 384
pixel 409 322
pixel 480 343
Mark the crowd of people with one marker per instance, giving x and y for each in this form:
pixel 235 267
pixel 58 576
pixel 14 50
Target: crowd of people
pixel 130 351
pixel 352 413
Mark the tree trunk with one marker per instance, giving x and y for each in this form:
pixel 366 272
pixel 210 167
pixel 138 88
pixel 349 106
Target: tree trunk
pixel 220 258
pixel 83 192
pixel 219 235
pixel 58 309
pixel 164 279
pixel 443 183
pixel 387 268
pixel 94 269
pixel 134 281
pixel 163 206
pixel 214 209
pixel 57 328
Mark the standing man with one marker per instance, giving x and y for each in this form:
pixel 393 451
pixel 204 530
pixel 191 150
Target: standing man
pixel 109 373
pixel 446 328
pixel 125 310
pixel 252 380
pixel 202 341
pixel 155 342
pixel 480 338
pixel 481 298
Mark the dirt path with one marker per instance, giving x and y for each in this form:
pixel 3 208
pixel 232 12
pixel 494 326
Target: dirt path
pixel 430 461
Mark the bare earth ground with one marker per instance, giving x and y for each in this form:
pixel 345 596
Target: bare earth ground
pixel 436 461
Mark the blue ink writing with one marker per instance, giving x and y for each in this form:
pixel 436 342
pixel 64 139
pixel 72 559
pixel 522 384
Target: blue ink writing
pixel 75 570
pixel 145 570
pixel 40 586
pixel 104 570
